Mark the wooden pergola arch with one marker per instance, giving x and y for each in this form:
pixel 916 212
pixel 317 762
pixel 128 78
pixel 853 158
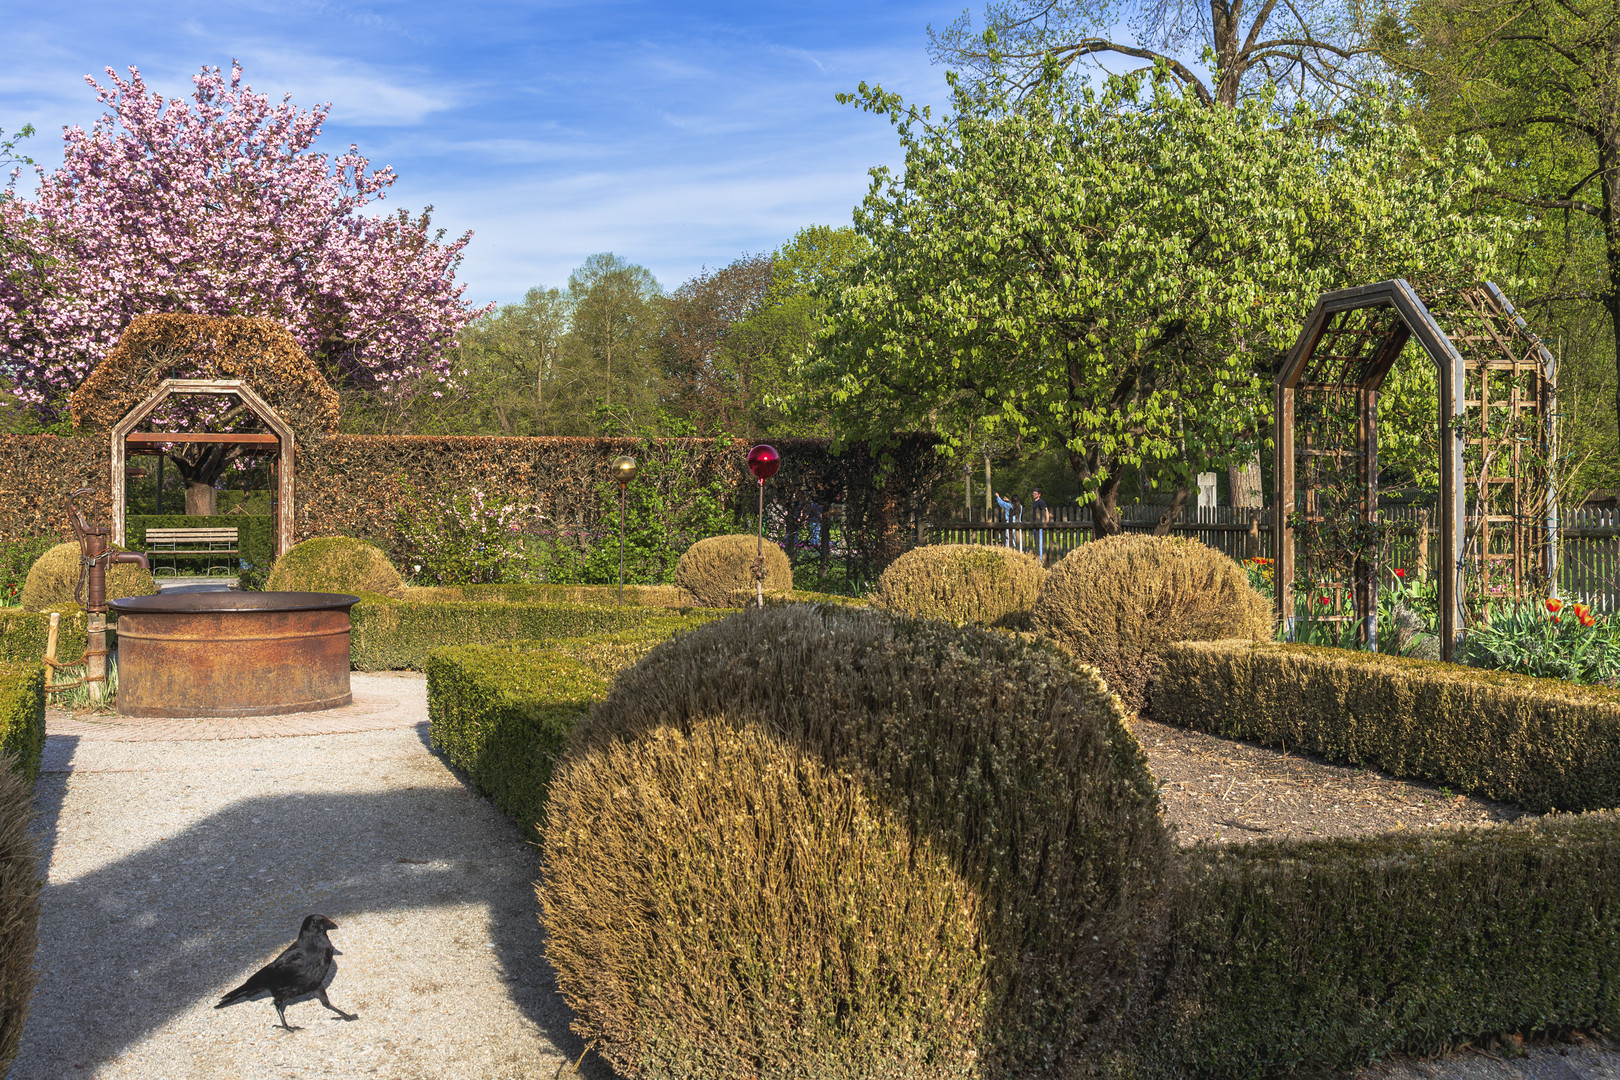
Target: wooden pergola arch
pixel 1480 346
pixel 123 437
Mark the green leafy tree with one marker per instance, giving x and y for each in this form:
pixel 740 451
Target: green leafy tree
pixel 1539 81
pixel 510 363
pixel 610 348
pixel 732 336
pixel 1114 275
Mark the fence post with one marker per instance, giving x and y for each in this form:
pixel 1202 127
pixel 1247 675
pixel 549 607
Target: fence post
pixel 1420 566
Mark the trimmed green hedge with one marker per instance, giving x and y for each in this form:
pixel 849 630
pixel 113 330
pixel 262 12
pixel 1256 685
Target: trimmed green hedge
pixel 503 713
pixel 255 535
pixel 1332 954
pixel 662 596
pixel 394 635
pixel 1542 744
pixel 23 635
pixel 22 715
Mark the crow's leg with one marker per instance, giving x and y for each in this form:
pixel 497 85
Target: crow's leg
pixel 281 1011
pixel 347 1016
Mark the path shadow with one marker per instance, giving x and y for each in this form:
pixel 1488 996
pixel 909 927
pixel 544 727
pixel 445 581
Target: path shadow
pixel 126 947
pixel 50 790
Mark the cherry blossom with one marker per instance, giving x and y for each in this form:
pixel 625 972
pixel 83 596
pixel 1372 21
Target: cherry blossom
pixel 219 206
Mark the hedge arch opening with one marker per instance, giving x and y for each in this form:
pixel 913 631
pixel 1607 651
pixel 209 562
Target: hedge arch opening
pixel 281 436
pixel 1498 512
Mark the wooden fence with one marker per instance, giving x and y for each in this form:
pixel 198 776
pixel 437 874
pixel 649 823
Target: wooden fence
pixel 1588 564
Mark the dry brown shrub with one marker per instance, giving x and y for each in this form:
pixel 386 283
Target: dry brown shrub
pixel 338 564
pixel 55 574
pixel 1116 603
pixel 825 842
pixel 20 887
pixel 174 345
pixel 962 583
pixel 714 569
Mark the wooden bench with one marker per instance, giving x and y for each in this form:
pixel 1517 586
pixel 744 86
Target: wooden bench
pixel 189 542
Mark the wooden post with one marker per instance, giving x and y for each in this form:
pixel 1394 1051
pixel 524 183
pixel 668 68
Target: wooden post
pixel 1282 544
pixel 1420 563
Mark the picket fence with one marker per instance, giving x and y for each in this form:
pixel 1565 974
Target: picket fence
pixel 1589 541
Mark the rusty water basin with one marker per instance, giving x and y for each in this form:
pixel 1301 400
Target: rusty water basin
pixel 232 653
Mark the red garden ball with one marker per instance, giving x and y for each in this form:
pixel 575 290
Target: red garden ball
pixel 763 461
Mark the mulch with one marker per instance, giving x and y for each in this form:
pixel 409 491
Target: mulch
pixel 1224 791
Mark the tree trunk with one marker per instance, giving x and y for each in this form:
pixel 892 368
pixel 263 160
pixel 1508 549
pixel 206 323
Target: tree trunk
pixel 200 499
pixel 1172 513
pixel 200 465
pixel 1609 165
pixel 1105 509
pixel 1244 481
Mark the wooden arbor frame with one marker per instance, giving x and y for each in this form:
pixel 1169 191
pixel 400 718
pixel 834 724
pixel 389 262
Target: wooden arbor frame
pixel 122 437
pixel 1350 342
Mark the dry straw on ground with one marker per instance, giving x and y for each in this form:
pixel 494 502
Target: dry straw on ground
pixel 713 570
pixel 55 574
pixel 337 564
pixel 1117 603
pixel 796 775
pixel 962 583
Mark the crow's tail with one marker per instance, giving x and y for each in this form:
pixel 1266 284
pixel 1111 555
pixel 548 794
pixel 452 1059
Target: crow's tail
pixel 234 996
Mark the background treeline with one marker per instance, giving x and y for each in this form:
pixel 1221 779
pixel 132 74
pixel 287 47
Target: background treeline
pixel 612 353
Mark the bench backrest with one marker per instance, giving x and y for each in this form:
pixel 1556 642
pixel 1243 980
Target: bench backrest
pixel 159 536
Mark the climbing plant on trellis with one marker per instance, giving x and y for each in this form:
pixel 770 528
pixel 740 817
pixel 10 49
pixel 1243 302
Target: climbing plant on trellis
pixel 1497 511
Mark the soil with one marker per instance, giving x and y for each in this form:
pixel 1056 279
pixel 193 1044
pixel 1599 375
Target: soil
pixel 1223 791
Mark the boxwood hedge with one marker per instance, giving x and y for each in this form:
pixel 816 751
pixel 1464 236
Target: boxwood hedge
pixel 1542 744
pixel 393 635
pixel 22 716
pixel 503 713
pixel 1332 954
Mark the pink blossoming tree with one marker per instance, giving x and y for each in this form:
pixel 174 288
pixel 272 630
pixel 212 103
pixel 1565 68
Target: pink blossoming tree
pixel 218 206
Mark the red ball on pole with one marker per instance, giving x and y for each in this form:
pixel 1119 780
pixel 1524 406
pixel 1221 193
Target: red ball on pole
pixel 763 461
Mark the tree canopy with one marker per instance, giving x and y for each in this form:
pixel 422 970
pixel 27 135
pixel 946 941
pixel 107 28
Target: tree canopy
pixel 219 206
pixel 1115 273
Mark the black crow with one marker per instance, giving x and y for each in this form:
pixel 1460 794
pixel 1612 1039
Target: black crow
pixel 300 969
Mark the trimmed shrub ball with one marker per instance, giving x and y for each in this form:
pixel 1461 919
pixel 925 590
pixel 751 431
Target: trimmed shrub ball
pixel 55 574
pixel 336 564
pixel 962 583
pixel 826 842
pixel 20 887
pixel 713 570
pixel 1116 603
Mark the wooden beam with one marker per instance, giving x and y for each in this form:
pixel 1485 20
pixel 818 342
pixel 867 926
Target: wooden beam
pixel 159 438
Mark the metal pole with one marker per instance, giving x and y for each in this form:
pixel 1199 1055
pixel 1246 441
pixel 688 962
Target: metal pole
pixel 621 545
pixel 759 552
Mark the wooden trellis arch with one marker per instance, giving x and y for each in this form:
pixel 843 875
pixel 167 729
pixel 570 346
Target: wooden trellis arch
pixel 1497 513
pixel 281 439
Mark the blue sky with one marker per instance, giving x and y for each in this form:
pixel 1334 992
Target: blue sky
pixel 677 135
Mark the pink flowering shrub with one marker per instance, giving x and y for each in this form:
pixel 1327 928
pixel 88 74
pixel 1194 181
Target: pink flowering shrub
pixel 218 206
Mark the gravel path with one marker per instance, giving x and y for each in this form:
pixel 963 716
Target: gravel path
pixel 184 854
pixel 181 861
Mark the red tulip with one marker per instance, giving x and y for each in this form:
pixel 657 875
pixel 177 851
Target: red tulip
pixel 1399 572
pixel 1553 605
